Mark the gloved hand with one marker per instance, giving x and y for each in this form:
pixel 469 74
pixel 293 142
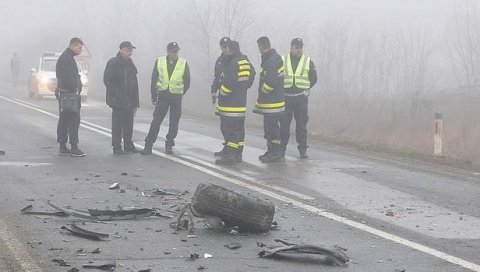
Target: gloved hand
pixel 214 98
pixel 154 100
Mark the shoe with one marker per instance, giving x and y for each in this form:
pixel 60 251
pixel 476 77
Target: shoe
pixel 303 154
pixel 131 150
pixel 168 149
pixel 147 150
pixel 63 151
pixel 221 152
pixel 76 152
pixel 118 151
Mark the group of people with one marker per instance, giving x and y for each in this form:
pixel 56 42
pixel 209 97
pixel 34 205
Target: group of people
pixel 283 90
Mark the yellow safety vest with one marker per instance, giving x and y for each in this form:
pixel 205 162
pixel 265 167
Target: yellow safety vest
pixel 174 84
pixel 300 76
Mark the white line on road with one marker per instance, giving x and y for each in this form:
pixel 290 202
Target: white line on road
pixel 388 236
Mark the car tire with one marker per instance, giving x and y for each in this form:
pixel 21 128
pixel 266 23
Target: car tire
pixel 248 212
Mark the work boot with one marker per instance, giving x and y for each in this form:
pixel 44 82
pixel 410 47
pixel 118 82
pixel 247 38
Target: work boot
pixel 267 153
pixel 230 157
pixel 221 152
pixel 238 155
pixel 63 151
pixel 147 150
pixel 303 153
pixel 274 156
pixel 169 148
pixel 117 150
pixel 130 149
pixel 76 152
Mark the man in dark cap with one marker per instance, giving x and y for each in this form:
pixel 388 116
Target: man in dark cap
pixel 218 70
pixel 170 82
pixel 300 77
pixel 69 85
pixel 120 78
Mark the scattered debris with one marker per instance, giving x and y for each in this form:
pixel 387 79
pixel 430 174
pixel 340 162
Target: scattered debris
pixel 96 251
pixel 28 210
pixel 169 192
pixel 275 226
pixel 201 267
pixel 55 248
pixel 2 153
pixel 106 215
pixel 109 265
pixel 73 213
pixel 247 212
pixel 233 246
pixel 122 191
pixel 191 236
pixel 207 256
pixel 234 232
pixel 194 256
pixel 145 270
pixel 60 262
pixel 77 231
pixel 400 270
pixel 73 269
pixel 115 185
pixel 389 213
pixel 335 256
pixel 124 174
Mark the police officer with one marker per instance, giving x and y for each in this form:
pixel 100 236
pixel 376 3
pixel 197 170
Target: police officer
pixel 218 70
pixel 300 77
pixel 170 82
pixel 120 78
pixel 236 78
pixel 271 101
pixel 68 81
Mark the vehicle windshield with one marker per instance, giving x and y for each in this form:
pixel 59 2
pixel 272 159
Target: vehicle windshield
pixel 49 65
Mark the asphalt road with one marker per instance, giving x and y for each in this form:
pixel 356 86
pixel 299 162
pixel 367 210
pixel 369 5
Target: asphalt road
pixel 389 216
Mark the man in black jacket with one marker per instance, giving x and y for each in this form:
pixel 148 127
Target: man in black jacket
pixel 170 82
pixel 120 78
pixel 68 81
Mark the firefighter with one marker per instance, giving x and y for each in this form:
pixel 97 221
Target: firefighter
pixel 170 82
pixel 218 70
pixel 271 100
pixel 236 78
pixel 300 77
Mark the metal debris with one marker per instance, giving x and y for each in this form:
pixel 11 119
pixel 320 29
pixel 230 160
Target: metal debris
pixel 73 213
pixel 207 256
pixel 109 265
pixel 96 251
pixel 105 215
pixel 169 192
pixel 115 185
pixel 60 262
pixel 233 246
pixel 2 153
pixel 335 256
pixel 77 231
pixel 145 270
pixel 73 269
pixel 124 174
pixel 28 210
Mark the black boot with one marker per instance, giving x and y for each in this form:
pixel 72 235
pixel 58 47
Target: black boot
pixel 238 155
pixel 221 152
pixel 229 158
pixel 63 151
pixel 266 154
pixel 169 148
pixel 303 153
pixel 147 150
pixel 274 156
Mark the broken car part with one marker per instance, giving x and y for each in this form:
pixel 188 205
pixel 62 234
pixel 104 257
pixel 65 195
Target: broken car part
pixel 77 231
pixel 110 265
pixel 115 185
pixel 105 215
pixel 29 208
pixel 335 256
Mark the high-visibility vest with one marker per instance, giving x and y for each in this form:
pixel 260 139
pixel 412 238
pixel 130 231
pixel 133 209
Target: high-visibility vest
pixel 174 83
pixel 300 76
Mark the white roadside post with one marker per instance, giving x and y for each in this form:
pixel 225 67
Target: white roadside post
pixel 438 136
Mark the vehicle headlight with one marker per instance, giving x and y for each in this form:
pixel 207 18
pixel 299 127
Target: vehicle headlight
pixel 84 80
pixel 44 79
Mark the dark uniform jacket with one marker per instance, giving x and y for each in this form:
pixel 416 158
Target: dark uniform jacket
pixel 237 77
pixel 271 98
pixel 68 79
pixel 165 93
pixel 218 70
pixel 120 78
pixel 312 76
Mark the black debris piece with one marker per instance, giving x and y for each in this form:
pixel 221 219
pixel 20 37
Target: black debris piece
pixel 109 265
pixel 335 256
pixel 399 270
pixel 28 210
pixel 115 185
pixel 194 256
pixel 77 231
pixel 60 262
pixel 233 246
pixel 2 153
pixel 124 174
pixel 73 213
pixel 169 192
pixel 73 269
pixel 145 270
pixel 201 267
pixel 55 248
pixel 96 251
pixel 106 215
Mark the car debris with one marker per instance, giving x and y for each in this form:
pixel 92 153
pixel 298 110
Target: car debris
pixel 96 251
pixel 60 262
pixel 124 174
pixel 109 265
pixel 201 267
pixel 77 231
pixel 114 186
pixel 28 210
pixel 335 256
pixel 2 153
pixel 145 270
pixel 73 269
pixel 207 256
pixel 73 213
pixel 194 256
pixel 233 246
pixel 106 215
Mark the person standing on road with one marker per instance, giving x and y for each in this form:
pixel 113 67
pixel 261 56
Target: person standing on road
pixel 68 82
pixel 120 78
pixel 235 80
pixel 271 100
pixel 300 77
pixel 170 82
pixel 218 70
pixel 15 68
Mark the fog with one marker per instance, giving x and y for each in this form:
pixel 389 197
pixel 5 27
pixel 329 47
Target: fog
pixel 385 66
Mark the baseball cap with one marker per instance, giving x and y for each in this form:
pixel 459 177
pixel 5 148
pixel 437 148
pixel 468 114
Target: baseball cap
pixel 173 46
pixel 127 44
pixel 224 41
pixel 297 42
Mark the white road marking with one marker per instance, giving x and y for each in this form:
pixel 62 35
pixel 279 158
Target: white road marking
pixel 24 163
pixel 388 236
